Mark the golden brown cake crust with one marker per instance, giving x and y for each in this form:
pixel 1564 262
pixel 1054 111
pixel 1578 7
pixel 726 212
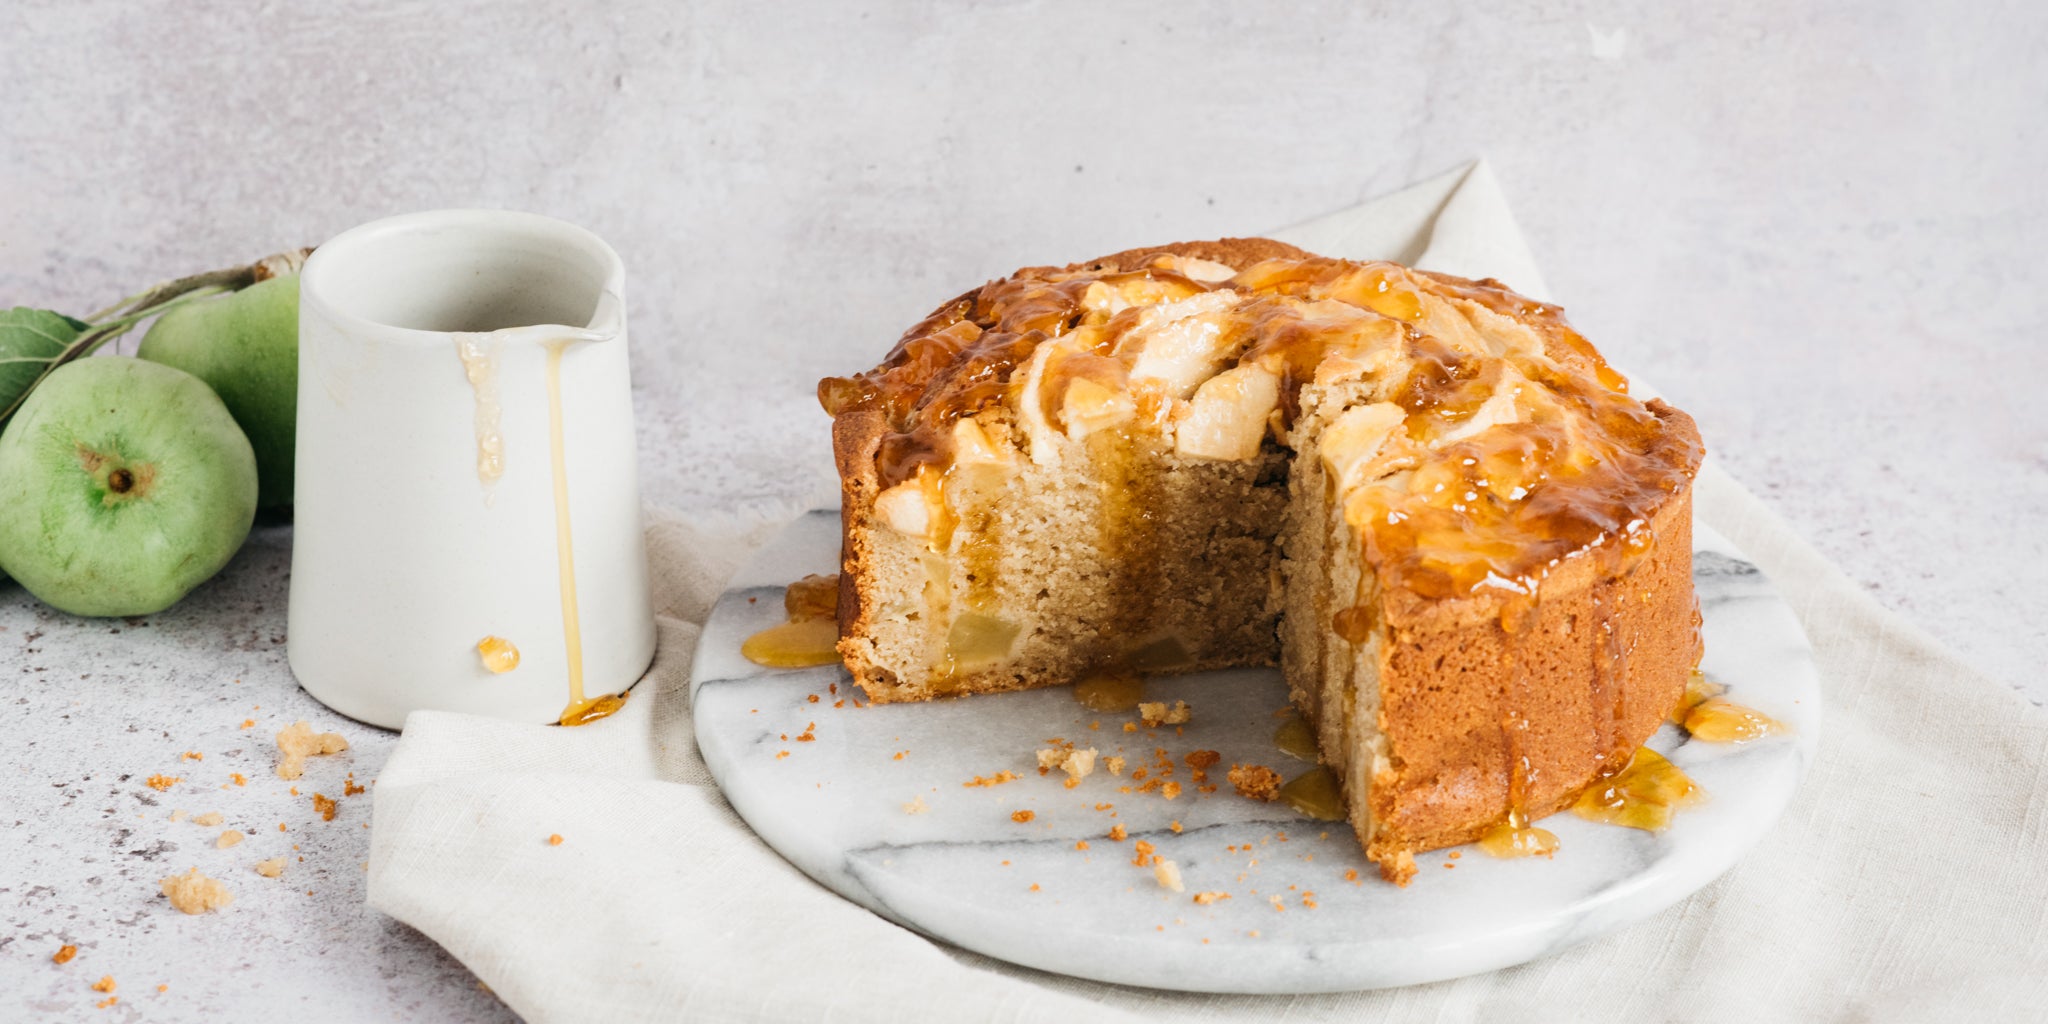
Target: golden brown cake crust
pixel 1599 662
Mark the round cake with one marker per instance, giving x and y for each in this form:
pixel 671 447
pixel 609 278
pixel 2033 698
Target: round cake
pixel 1428 499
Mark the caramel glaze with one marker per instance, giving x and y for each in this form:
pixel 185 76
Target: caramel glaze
pixel 1493 512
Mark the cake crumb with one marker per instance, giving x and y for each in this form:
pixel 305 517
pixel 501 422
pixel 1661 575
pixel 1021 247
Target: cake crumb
pixel 1170 790
pixel 555 839
pixel 1143 854
pixel 916 805
pixel 993 780
pixel 1279 905
pixel 298 741
pixel 247 723
pixel 271 868
pixel 1255 781
pixel 1080 844
pixel 209 819
pixel 349 787
pixel 1117 833
pixel 108 1001
pixel 1206 898
pixel 1130 727
pixel 161 782
pixel 1114 764
pixel 194 893
pixel 105 984
pixel 1021 817
pixel 238 778
pixel 1175 826
pixel 227 839
pixel 193 755
pixel 1034 887
pixel 1077 763
pixel 324 806
pixel 1156 713
pixel 64 954
pixel 1167 874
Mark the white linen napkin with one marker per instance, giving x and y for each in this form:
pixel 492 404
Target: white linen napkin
pixel 1908 880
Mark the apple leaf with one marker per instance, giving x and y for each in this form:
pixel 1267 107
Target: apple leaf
pixel 29 340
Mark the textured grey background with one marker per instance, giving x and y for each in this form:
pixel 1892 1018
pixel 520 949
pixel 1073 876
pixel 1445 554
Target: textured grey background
pixel 1820 229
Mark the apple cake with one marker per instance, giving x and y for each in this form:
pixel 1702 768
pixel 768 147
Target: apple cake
pixel 1426 498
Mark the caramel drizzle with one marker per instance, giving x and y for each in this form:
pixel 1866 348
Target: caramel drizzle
pixel 1596 470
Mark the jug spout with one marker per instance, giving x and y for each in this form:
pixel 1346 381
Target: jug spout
pixel 607 323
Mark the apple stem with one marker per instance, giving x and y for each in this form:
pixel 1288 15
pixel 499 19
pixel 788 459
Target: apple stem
pixel 119 318
pixel 229 279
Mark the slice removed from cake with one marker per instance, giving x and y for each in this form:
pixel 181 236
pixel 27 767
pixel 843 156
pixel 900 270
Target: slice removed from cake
pixel 1427 498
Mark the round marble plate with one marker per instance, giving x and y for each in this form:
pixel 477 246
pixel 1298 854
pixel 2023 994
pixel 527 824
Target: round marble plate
pixel 825 780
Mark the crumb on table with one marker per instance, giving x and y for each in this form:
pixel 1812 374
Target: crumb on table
pixel 916 805
pixel 298 741
pixel 64 954
pixel 194 893
pixel 228 838
pixel 271 868
pixel 209 819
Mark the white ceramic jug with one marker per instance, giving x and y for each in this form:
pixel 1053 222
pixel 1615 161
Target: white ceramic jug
pixel 466 489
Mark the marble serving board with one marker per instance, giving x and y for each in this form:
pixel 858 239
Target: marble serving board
pixel 964 871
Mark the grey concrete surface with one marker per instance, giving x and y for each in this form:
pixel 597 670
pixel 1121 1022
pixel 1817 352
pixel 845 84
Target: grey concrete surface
pixel 1819 228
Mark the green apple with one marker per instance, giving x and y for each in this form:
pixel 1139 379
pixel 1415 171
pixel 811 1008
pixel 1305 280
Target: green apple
pixel 123 485
pixel 245 346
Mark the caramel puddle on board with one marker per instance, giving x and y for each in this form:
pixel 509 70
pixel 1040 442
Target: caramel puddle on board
pixel 1644 795
pixel 1515 837
pixel 1295 740
pixel 1710 718
pixel 1315 793
pixel 579 710
pixel 479 355
pixel 1110 690
pixel 811 634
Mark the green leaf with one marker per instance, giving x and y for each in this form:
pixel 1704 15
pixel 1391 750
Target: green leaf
pixel 29 340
